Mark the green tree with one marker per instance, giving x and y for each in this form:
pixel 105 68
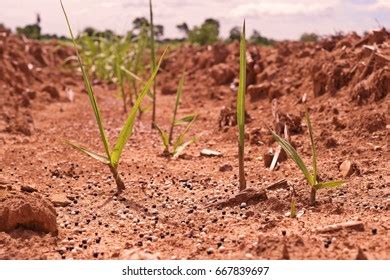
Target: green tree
pixel 141 22
pixel 205 34
pixel 257 38
pixel 183 27
pixel 309 37
pixel 90 31
pixel 235 34
pixel 159 31
pixel 31 31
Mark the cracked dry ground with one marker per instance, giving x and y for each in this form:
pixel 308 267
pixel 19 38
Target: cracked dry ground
pixel 163 212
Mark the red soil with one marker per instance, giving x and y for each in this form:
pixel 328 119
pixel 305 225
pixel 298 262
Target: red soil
pixel 170 208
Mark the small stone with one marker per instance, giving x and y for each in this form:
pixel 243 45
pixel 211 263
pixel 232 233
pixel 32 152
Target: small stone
pixel 210 251
pixel 351 225
pixel 346 168
pixel 28 189
pixel 249 256
pixel 221 249
pixel 210 153
pixel 300 213
pixel 243 205
pixel 60 200
pixel 225 168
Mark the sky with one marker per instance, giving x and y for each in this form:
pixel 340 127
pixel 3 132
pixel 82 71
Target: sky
pixel 278 19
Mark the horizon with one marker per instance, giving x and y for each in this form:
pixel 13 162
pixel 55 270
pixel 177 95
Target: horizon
pixel 277 19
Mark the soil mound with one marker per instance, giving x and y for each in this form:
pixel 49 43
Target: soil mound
pixel 31 73
pixel 28 211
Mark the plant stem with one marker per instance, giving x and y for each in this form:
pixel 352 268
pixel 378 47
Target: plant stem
pixel 241 171
pixel 120 186
pixel 153 54
pixel 124 98
pixel 241 110
pixel 313 196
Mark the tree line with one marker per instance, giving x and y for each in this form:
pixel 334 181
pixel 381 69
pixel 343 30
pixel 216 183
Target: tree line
pixel 204 34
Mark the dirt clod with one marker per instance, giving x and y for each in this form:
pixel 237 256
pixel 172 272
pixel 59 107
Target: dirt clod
pixel 248 196
pixel 60 200
pixel 29 211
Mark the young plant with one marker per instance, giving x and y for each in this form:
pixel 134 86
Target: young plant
pixel 153 58
pixel 136 63
pixel 112 156
pixel 241 110
pixel 179 144
pixel 311 178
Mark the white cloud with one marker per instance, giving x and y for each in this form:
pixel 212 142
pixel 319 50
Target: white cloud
pixel 282 7
pixel 107 4
pixel 381 4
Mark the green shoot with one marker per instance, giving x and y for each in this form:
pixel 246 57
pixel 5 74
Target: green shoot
pixel 89 89
pixel 153 57
pixel 179 145
pixel 293 208
pixel 105 58
pixel 241 110
pixel 310 178
pixel 112 157
pixel 178 96
pixel 120 80
pixel 293 205
pixel 137 66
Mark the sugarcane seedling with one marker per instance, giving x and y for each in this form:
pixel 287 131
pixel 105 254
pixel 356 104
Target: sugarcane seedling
pixel 311 178
pixel 241 110
pixel 112 156
pixel 176 148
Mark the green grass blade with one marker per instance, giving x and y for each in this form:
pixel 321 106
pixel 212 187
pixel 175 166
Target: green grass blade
pixel 313 147
pixel 329 184
pixel 120 79
pixel 180 149
pixel 153 57
pixel 127 129
pixel 293 154
pixel 94 155
pixel 178 96
pixel 133 75
pixel 164 137
pixel 90 92
pixel 185 120
pixel 241 108
pixel 180 139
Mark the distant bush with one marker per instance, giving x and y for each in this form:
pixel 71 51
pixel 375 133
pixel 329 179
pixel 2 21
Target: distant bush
pixel 31 31
pixel 234 34
pixel 257 38
pixel 205 34
pixel 141 22
pixel 309 37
